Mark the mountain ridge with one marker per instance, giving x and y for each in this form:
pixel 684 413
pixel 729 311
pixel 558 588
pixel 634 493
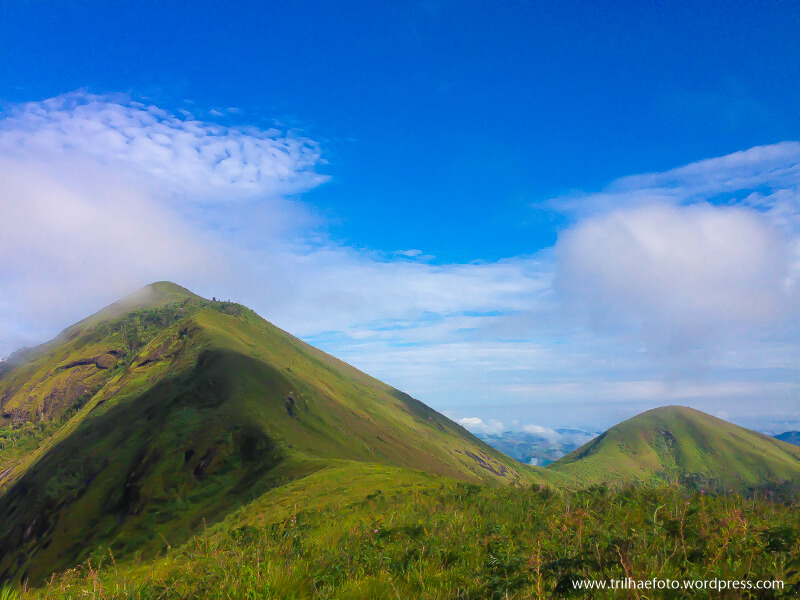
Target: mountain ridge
pixel 164 412
pixel 181 409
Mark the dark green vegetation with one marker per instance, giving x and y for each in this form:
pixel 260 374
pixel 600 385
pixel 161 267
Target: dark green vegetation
pixel 195 450
pixel 356 531
pixel 791 437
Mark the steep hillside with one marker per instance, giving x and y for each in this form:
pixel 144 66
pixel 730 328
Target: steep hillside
pixel 681 444
pixel 166 411
pixel 40 384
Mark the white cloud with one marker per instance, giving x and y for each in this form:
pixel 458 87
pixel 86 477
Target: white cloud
pixel 559 438
pixel 73 236
pixel 97 199
pixel 476 425
pixel 680 277
pixel 201 160
pixel 539 430
pixel 766 171
pixel 362 292
pixel 102 195
pixel 546 433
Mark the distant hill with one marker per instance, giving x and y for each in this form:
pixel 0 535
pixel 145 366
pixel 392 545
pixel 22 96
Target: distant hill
pixel 681 444
pixel 165 411
pixel 790 437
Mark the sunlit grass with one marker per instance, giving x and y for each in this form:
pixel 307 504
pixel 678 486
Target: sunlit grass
pixel 401 534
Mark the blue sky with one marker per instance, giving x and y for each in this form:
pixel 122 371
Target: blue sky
pixel 535 213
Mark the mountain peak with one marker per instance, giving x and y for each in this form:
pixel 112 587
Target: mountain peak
pixel 673 410
pixel 169 411
pixel 153 295
pixel 157 294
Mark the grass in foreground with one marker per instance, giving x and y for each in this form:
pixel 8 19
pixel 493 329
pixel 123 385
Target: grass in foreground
pixel 363 531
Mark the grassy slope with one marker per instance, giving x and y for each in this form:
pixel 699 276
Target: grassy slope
pixel 679 443
pixel 206 407
pixel 358 531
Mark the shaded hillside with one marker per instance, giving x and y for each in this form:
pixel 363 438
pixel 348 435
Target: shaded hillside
pixel 167 411
pixel 681 444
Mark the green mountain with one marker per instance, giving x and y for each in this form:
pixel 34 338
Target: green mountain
pixel 165 412
pixel 790 437
pixel 166 415
pixel 681 444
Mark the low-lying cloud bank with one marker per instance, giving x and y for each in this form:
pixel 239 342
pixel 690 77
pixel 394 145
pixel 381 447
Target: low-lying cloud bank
pixel 661 284
pixel 531 444
pixel 492 427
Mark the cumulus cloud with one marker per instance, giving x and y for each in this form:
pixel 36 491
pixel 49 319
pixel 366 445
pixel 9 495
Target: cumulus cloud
pixel 691 264
pixel 544 432
pixel 680 276
pixel 477 425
